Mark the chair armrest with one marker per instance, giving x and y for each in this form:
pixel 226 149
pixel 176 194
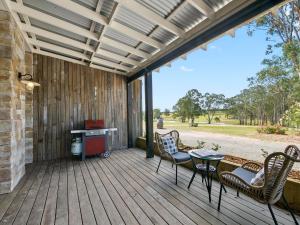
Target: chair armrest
pixel 183 149
pixel 231 179
pixel 252 166
pixel 236 182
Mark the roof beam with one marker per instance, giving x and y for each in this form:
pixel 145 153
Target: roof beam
pixel 235 13
pixel 50 54
pixel 151 16
pixel 52 20
pixel 8 3
pixel 56 37
pixel 80 10
pixel 93 25
pixel 117 57
pixel 125 47
pixel 65 58
pixel 203 7
pixel 106 69
pixel 99 41
pixel 77 54
pixel 110 64
pixel 77 44
pixel 136 35
pixel 58 49
pixel 27 21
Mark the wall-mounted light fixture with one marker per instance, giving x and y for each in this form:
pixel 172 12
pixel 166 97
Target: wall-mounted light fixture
pixel 28 80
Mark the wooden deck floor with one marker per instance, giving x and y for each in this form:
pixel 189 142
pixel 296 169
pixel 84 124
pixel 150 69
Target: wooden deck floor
pixel 123 189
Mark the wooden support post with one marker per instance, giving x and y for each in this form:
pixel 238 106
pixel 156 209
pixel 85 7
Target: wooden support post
pixel 149 114
pixel 129 116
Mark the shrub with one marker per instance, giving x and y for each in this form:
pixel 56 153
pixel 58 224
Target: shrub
pixel 200 144
pixel 217 120
pixel 272 130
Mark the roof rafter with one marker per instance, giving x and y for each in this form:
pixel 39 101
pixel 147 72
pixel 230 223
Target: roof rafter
pixel 117 57
pixel 56 37
pixel 151 16
pixel 111 64
pixel 136 35
pixel 18 22
pixel 107 69
pixel 203 7
pixel 58 49
pixel 93 25
pixel 79 55
pixel 104 30
pixel 125 47
pixel 80 10
pixel 76 44
pixel 52 20
pixel 27 21
pixel 42 52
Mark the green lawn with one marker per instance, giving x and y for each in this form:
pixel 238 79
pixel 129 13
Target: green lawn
pixel 223 129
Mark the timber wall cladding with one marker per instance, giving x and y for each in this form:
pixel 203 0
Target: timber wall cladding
pixel 69 94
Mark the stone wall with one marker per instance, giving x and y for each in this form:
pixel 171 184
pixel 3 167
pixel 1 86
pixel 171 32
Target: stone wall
pixel 28 112
pixel 12 103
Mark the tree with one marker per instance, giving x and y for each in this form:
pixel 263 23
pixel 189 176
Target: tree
pixel 156 113
pixel 211 103
pixel 188 107
pixel 167 112
pixel 282 25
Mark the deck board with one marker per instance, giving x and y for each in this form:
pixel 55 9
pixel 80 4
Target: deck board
pixel 123 189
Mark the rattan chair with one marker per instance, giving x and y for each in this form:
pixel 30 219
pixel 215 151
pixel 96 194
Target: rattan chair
pixel 276 169
pixel 177 158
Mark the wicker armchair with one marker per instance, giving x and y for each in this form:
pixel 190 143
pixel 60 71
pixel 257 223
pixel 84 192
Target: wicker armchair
pixel 276 169
pixel 177 158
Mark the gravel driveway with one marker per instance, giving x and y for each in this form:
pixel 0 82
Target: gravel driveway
pixel 248 148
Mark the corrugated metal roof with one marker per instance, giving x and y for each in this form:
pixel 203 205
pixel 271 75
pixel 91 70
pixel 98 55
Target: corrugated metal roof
pixel 187 17
pixel 107 7
pixel 136 58
pixel 57 30
pixel 215 4
pixel 91 4
pixel 134 21
pixel 121 37
pixel 59 53
pixel 147 48
pixel 114 50
pixel 162 8
pixel 163 35
pixel 59 12
pixel 178 12
pixel 107 58
pixel 58 44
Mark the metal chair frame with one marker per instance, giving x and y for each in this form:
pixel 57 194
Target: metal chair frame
pixel 166 155
pixel 276 167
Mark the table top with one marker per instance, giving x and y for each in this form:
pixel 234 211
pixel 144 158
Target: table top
pixel 217 157
pixel 85 131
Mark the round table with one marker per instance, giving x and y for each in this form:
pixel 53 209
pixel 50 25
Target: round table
pixel 206 169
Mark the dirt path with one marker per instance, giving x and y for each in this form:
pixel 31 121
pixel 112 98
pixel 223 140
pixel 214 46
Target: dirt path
pixel 248 148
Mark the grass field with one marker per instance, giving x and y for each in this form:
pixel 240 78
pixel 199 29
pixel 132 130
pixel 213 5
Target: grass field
pixel 214 128
pixel 227 126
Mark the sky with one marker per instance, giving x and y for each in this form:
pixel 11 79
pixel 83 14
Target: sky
pixel 222 69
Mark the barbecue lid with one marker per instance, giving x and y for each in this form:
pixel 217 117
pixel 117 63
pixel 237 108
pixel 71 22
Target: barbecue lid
pixel 93 124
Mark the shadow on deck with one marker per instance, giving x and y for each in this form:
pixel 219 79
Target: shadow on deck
pixel 123 189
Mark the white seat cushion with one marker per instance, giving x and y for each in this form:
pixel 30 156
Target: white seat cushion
pixel 169 144
pixel 259 178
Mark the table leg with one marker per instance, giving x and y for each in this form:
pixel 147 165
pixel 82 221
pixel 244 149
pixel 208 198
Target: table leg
pixel 194 174
pixel 217 173
pixel 209 180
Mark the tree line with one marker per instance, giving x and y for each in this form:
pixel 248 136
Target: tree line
pixel 273 94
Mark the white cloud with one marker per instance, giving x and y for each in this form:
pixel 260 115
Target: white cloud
pixel 213 47
pixel 186 69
